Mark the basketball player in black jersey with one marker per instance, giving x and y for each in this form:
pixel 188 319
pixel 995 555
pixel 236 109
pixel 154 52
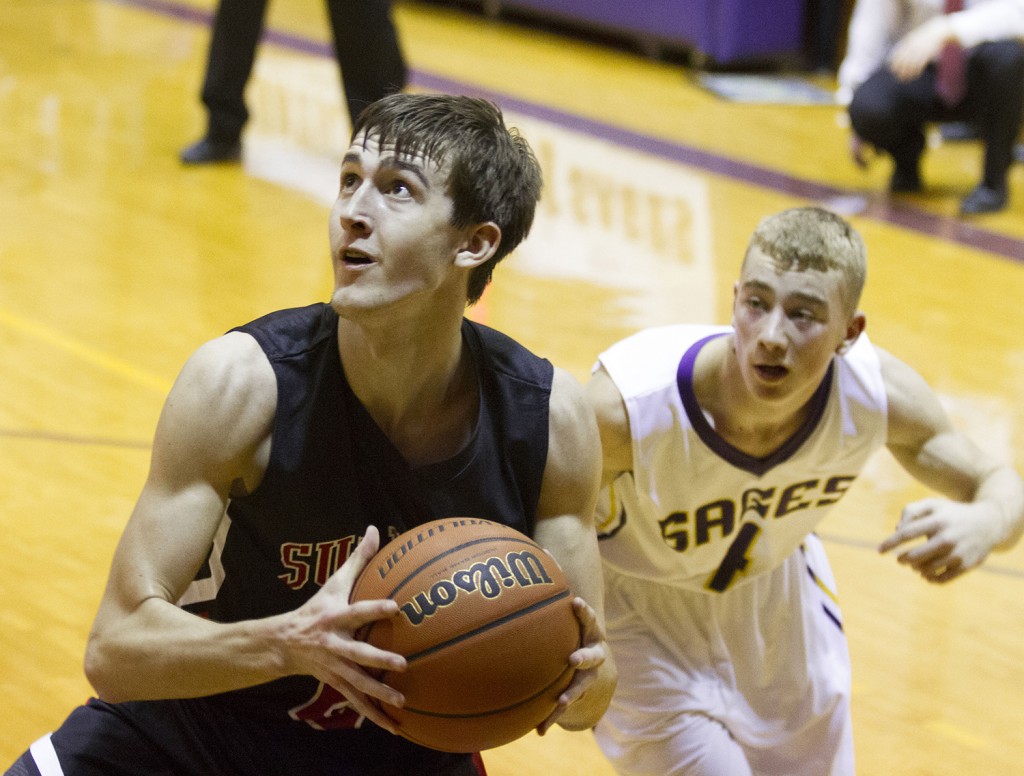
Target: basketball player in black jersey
pixel 290 447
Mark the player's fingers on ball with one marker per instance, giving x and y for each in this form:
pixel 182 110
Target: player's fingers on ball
pixel 577 687
pixel 584 611
pixel 360 613
pixel 374 714
pixel 368 656
pixel 364 684
pixel 357 560
pixel 587 657
pixel 592 630
pixel 549 723
pixel 370 542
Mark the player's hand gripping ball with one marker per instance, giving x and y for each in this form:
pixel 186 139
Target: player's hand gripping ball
pixel 486 625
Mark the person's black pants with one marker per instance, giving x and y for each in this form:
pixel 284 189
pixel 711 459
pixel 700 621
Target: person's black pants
pixel 365 44
pixel 891 115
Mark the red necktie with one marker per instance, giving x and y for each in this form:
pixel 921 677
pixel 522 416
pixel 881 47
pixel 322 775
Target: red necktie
pixel 951 77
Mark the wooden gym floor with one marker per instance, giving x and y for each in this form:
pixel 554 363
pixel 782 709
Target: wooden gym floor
pixel 115 263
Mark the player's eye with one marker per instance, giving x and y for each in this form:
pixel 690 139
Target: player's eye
pixel 349 181
pixel 399 188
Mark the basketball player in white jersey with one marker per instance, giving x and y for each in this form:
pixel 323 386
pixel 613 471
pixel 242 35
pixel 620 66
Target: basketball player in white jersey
pixel 724 447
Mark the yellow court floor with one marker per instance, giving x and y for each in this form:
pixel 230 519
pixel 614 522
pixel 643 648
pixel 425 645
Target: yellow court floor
pixel 116 263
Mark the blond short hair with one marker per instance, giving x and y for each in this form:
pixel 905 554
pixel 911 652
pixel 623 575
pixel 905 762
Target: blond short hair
pixel 812 238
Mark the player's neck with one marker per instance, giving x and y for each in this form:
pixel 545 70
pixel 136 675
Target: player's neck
pixel 419 385
pixel 747 422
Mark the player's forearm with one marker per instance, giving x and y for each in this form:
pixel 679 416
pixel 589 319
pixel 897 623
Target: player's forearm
pixel 1004 491
pixel 161 651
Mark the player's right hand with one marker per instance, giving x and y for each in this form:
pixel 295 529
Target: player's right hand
pixel 319 639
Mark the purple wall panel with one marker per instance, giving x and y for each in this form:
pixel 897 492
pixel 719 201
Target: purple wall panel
pixel 724 30
pixel 750 28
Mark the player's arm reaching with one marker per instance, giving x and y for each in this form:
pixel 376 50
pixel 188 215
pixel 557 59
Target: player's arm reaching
pixel 565 529
pixel 985 506
pixel 214 437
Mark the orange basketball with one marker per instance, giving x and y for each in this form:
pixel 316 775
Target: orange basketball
pixel 486 624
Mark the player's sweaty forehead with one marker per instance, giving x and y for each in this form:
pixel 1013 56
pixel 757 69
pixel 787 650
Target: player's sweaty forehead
pixel 408 154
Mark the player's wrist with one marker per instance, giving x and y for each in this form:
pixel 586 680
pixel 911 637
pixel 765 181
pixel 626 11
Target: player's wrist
pixel 274 639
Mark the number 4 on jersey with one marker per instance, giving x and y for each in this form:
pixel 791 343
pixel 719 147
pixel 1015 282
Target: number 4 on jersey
pixel 736 558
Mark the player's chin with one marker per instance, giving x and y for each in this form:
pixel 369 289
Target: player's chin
pixel 352 303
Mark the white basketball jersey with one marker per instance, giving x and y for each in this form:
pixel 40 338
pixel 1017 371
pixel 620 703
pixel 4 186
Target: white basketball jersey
pixel 699 514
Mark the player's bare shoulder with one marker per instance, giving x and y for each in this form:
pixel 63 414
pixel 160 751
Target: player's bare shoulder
pixel 221 407
pixel 235 373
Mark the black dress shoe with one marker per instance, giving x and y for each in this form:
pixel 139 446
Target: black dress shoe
pixel 983 200
pixel 208 151
pixel 904 182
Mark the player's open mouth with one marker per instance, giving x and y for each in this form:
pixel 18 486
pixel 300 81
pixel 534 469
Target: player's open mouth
pixel 352 258
pixel 770 373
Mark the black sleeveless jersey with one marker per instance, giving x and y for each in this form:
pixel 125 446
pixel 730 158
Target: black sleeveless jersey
pixel 331 472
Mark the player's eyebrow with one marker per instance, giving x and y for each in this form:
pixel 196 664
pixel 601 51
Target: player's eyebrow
pixel 407 166
pixel 390 162
pixel 809 299
pixel 756 286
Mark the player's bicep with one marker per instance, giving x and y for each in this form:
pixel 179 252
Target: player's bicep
pixel 163 545
pixel 212 423
pixel 922 439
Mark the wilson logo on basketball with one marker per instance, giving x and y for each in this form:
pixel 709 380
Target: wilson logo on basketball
pixel 488 578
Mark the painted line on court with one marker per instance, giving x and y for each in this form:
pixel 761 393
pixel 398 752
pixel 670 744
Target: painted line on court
pixel 877 207
pixel 85 352
pixel 96 441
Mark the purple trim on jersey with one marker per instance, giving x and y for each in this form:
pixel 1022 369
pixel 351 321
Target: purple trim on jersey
pixel 721 448
pixel 831 616
pixel 824 606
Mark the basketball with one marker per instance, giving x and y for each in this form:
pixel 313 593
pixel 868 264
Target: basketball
pixel 486 625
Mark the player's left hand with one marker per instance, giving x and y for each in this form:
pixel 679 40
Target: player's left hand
pixel 957 537
pixel 594 678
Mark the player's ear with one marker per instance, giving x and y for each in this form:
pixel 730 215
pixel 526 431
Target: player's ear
pixel 853 330
pixel 480 243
